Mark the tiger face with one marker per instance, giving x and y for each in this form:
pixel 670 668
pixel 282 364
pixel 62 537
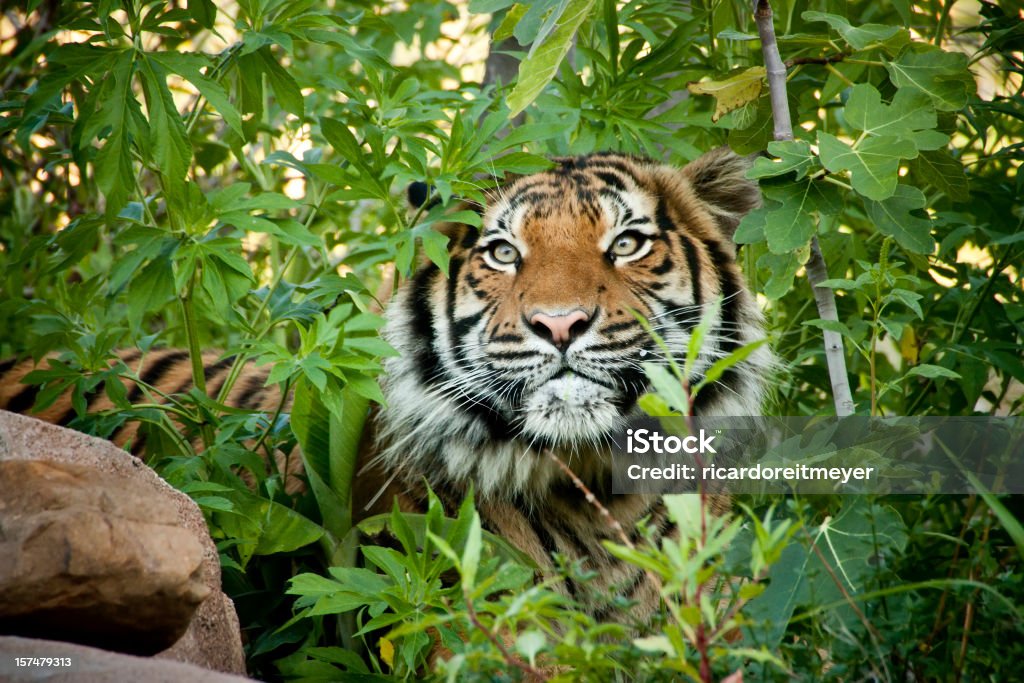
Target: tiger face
pixel 533 341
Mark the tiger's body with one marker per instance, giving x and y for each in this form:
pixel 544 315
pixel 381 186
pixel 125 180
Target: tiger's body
pixel 531 346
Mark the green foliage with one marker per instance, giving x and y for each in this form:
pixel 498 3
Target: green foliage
pixel 230 176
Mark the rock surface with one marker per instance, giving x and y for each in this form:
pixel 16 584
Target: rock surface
pixel 96 549
pixel 89 665
pixel 84 558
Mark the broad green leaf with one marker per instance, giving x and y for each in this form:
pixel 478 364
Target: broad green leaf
pixel 284 530
pixel 751 227
pixel 330 447
pixel 793 155
pixel 150 288
pixel 718 368
pixel 377 524
pixel 790 220
pixel 939 169
pixel 873 164
pixel 541 65
pixel 488 6
pixel 910 111
pixel 203 11
pixel 531 642
pixel 754 137
pixel 732 92
pixel 893 216
pixel 508 24
pixel 855 544
pixel 858 37
pixel 69 64
pixel 942 76
pixel 366 387
pixel 782 269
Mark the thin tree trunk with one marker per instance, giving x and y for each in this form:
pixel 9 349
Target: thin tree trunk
pixel 817 271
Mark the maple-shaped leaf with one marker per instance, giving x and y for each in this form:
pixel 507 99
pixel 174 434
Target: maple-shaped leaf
pixel 873 163
pixel 895 216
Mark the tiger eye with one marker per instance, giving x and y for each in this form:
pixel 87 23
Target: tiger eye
pixel 626 245
pixel 503 252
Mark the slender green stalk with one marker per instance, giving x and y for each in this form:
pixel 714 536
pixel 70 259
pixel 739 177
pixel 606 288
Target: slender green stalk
pixel 195 352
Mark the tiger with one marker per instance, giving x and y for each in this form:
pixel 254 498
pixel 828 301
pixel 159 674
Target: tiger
pixel 531 352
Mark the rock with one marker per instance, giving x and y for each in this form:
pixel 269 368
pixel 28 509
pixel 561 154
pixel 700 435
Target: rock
pixel 84 558
pixel 97 549
pixel 89 665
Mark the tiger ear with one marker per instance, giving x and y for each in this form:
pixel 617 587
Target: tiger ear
pixel 719 178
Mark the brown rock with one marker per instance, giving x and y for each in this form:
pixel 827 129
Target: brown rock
pixel 89 665
pixel 85 559
pixel 153 522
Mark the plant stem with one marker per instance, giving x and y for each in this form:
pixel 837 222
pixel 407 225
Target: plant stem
pixel 510 658
pixel 817 270
pixel 195 353
pixel 940 29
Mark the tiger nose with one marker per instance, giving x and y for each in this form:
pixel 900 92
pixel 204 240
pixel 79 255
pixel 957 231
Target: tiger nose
pixel 561 330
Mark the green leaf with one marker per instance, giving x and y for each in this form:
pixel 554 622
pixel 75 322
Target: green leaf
pixel 284 530
pixel 114 172
pixel 793 155
pixel 790 220
pixel 751 227
pixel 285 88
pixel 189 66
pixel 733 92
pixel 755 136
pixel 150 289
pixel 341 139
pixel 69 64
pixel 873 164
pixel 910 111
pixel 375 346
pixel 893 216
pixel 366 387
pixel 858 37
pixel 668 387
pixel 855 544
pixel 829 325
pixel 529 643
pixel 435 245
pixel 932 372
pixel 541 65
pixel 939 169
pixel 942 76
pixel 718 368
pixel 172 150
pixel 471 553
pixel 782 269
pixel 488 6
pixel 329 444
pixel 203 11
